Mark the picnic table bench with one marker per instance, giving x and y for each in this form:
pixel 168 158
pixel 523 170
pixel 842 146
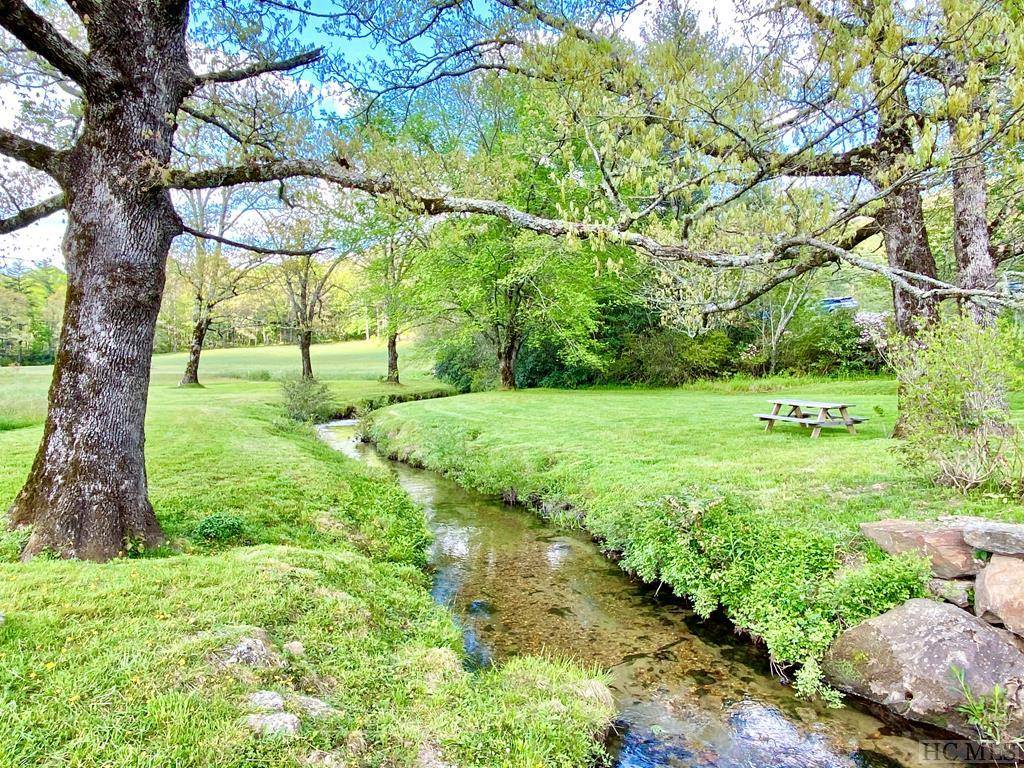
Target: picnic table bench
pixel 800 413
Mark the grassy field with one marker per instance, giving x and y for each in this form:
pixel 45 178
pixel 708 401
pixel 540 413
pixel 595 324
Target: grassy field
pixel 689 490
pixel 352 369
pixel 116 664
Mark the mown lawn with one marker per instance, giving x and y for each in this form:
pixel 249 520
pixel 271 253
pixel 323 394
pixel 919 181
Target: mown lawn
pixel 689 490
pixel 116 664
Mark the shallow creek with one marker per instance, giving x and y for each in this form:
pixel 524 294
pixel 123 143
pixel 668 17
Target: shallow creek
pixel 690 694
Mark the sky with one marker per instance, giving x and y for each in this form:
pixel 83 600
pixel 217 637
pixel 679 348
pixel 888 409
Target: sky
pixel 40 242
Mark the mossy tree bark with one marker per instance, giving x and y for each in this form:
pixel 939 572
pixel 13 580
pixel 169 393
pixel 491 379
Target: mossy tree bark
pixel 86 494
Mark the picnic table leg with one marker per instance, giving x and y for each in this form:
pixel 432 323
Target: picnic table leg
pixel 797 411
pixel 849 423
pixel 822 416
pixel 775 412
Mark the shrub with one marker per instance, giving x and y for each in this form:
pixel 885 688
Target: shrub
pixel 258 374
pixel 953 380
pixel 668 357
pixel 829 343
pixel 307 399
pixel 467 365
pixel 220 528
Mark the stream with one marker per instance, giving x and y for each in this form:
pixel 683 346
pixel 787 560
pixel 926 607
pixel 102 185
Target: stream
pixel 690 694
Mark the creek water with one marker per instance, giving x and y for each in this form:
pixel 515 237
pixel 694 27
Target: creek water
pixel 690 694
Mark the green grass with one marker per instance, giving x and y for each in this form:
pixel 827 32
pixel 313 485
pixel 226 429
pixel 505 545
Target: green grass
pixel 689 490
pixel 114 664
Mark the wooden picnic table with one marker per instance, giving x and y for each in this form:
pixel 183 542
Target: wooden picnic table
pixel 800 413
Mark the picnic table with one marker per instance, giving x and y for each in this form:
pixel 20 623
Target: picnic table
pixel 800 412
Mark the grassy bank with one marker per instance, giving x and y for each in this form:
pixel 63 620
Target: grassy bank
pixel 688 490
pixel 121 664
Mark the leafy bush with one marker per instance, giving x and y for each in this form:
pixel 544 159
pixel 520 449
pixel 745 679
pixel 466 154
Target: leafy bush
pixel 829 343
pixel 467 365
pixel 307 399
pixel 258 374
pixel 543 365
pixel 668 357
pixel 220 528
pixel 954 378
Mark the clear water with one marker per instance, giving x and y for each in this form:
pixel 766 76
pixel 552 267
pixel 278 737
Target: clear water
pixel 690 694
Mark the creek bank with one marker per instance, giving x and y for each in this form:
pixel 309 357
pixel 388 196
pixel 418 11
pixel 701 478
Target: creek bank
pixel 918 664
pixel 763 720
pixel 363 406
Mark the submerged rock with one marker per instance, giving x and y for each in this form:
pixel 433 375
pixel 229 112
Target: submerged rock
pixel 955 591
pixel 941 541
pixel 999 592
pixel 905 660
pixel 274 724
pixel 990 536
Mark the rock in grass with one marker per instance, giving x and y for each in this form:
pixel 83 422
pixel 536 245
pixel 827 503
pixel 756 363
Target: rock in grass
pixel 274 724
pixel 429 756
pixel 266 701
pixel 999 592
pixel 905 661
pixel 941 541
pixel 313 707
pixel 955 591
pixel 294 648
pixel 990 536
pixel 318 758
pixel 253 651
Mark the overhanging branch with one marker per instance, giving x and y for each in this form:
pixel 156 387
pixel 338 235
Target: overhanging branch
pixel 32 153
pixel 42 38
pixel 254 248
pixel 31 214
pixel 785 250
pixel 259 68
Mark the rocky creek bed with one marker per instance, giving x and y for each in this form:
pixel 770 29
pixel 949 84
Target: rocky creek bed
pixel 689 693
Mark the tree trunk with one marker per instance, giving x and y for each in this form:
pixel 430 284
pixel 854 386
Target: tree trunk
pixel 907 248
pixel 191 376
pixel 507 354
pixel 393 358
pixel 305 340
pixel 974 265
pixel 86 493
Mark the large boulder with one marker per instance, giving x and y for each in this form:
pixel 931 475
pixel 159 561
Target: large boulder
pixel 905 661
pixel 999 592
pixel 941 541
pixel 990 536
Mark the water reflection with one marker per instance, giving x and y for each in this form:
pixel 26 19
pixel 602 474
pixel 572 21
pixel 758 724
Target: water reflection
pixel 690 694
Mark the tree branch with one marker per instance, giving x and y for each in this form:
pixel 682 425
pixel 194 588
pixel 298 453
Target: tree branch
pixel 31 214
pixel 40 37
pixel 259 68
pixel 250 247
pixel 32 153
